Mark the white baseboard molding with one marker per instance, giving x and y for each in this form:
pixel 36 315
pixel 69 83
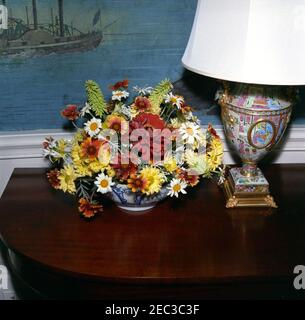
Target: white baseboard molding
pixel 24 149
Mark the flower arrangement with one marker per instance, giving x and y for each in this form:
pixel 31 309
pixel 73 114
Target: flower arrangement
pixel 151 145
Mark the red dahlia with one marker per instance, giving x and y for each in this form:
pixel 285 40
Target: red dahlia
pixel 70 112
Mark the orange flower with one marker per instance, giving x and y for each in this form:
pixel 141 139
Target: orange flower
pixel 90 148
pixel 124 171
pixel 117 123
pixel 53 178
pixel 185 108
pixel 191 179
pixel 88 209
pixel 136 183
pixel 142 103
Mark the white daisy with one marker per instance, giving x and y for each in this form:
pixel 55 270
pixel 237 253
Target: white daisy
pixel 125 110
pixel 85 109
pixel 93 127
pixel 103 183
pixel 176 186
pixel 143 91
pixel 174 100
pixel 190 132
pixel 118 95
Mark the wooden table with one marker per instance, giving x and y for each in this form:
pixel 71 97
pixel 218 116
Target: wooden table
pixel 187 248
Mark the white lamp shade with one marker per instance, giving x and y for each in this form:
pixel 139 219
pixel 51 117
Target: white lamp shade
pixel 251 41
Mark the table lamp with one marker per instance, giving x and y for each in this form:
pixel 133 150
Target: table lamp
pixel 257 47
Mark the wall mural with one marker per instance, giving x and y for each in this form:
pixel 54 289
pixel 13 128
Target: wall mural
pixel 53 46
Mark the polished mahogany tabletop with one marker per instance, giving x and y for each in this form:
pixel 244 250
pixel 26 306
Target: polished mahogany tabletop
pixel 192 242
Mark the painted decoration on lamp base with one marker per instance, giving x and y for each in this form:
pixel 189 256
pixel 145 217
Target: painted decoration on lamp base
pixel 255 119
pixel 243 191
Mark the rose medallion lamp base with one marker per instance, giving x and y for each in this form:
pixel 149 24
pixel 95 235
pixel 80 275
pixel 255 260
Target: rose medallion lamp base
pixel 243 191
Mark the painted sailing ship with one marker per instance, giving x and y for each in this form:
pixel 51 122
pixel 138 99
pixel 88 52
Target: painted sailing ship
pixel 41 39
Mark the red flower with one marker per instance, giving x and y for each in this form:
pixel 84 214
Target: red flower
pixel 191 179
pixel 147 121
pixel 213 132
pixel 124 171
pixel 70 112
pixel 53 178
pixel 120 84
pixel 89 209
pixel 142 103
pixel 136 183
pixel 90 148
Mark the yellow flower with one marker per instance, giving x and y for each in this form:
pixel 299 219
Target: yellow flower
pixel 76 152
pixel 81 169
pixel 155 179
pixel 67 177
pixel 116 123
pixel 214 159
pixel 170 164
pixel 215 155
pixel 110 172
pixel 61 146
pixel 96 166
pixel 79 135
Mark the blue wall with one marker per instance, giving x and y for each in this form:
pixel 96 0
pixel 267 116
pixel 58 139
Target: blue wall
pixel 143 41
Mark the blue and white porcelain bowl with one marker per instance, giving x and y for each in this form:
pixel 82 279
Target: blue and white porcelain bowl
pixel 125 199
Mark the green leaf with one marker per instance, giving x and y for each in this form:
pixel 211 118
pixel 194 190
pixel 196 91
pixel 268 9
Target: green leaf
pixel 95 98
pixel 158 94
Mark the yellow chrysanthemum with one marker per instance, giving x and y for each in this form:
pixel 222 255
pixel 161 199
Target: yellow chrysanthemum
pixel 214 160
pixel 76 152
pixel 96 166
pixel 170 164
pixel 79 135
pixel 217 146
pixel 61 146
pixel 81 169
pixel 110 172
pixel 215 155
pixel 67 177
pixel 155 179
